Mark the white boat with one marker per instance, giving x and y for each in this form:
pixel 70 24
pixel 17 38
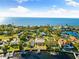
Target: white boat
pixel 38 51
pixel 53 53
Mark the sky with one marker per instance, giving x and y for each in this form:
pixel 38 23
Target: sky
pixel 39 8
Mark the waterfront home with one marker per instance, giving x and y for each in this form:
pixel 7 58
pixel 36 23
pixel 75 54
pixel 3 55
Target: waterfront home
pixel 43 34
pixel 40 44
pixel 65 28
pixel 64 36
pixel 68 47
pixel 72 38
pixel 5 42
pixel 39 41
pixel 62 42
pixel 15 29
pixel 76 29
pixel 77 41
pixel 15 41
pixel 20 33
pixel 32 43
pixel 5 32
pixel 28 37
pixel 56 27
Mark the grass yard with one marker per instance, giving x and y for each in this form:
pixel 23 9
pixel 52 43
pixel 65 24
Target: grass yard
pixel 3 37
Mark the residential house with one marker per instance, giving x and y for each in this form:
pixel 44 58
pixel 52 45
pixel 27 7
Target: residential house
pixel 32 43
pixel 64 36
pixel 39 41
pixel 62 42
pixel 43 34
pixel 68 47
pixel 15 41
pixel 72 38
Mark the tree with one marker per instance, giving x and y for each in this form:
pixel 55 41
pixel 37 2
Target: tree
pixel 23 38
pixel 21 46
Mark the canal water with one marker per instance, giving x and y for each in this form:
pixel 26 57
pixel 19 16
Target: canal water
pixel 41 55
pixel 47 55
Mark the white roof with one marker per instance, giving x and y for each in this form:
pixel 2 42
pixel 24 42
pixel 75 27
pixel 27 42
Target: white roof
pixel 38 40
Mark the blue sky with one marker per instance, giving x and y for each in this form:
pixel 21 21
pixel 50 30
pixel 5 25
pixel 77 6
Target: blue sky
pixel 34 4
pixel 39 8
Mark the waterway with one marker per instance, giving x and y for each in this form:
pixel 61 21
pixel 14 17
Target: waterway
pixel 47 55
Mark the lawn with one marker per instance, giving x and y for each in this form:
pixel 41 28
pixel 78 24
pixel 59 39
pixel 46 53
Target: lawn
pixel 13 49
pixel 3 37
pixel 77 46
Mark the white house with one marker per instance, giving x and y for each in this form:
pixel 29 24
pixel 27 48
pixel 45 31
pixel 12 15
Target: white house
pixel 39 41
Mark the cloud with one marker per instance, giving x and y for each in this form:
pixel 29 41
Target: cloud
pixel 21 11
pixel 15 12
pixel 20 1
pixel 72 3
pixel 60 12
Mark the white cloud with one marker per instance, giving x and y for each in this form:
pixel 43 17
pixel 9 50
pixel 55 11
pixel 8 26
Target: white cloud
pixel 20 1
pixel 53 12
pixel 72 3
pixel 60 12
pixel 19 9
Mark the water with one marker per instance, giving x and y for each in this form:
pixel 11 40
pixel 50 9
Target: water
pixel 41 55
pixel 46 55
pixel 40 21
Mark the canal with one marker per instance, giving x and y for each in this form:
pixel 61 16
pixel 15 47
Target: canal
pixel 41 55
pixel 47 55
